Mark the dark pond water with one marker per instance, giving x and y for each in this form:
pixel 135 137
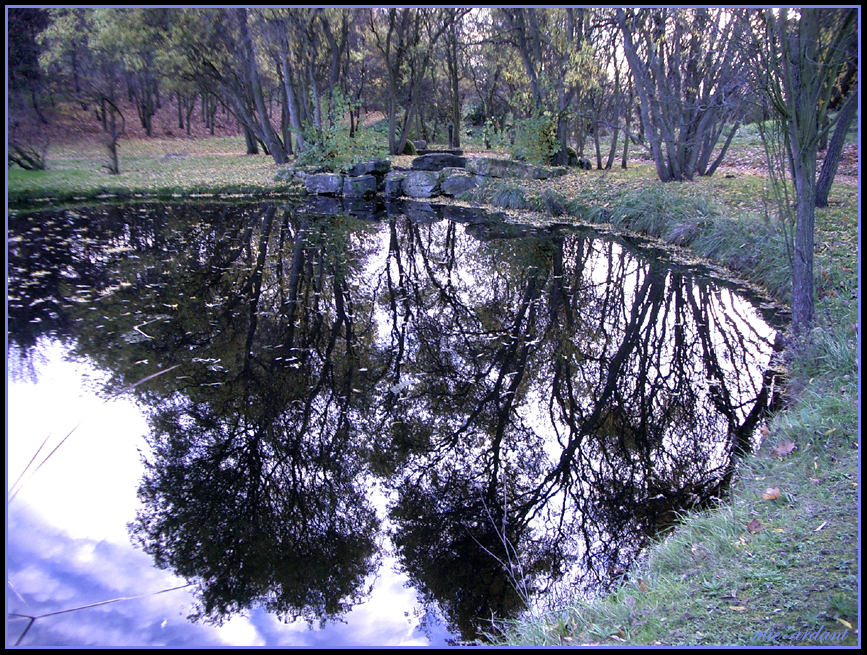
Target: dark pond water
pixel 388 426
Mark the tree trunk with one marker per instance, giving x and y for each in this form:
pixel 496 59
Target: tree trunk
pixel 803 70
pixel 268 137
pixel 454 82
pixel 835 149
pixel 189 107
pixel 250 140
pixel 598 146
pixel 722 153
pixel 613 151
pixel 292 101
pixel 802 279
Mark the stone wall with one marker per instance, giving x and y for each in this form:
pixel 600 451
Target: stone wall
pixel 432 174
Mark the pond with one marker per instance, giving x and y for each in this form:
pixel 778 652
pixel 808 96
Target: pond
pixel 351 426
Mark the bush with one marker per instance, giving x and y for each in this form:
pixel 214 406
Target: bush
pixel 331 146
pixel 536 139
pixel 409 148
pixel 476 115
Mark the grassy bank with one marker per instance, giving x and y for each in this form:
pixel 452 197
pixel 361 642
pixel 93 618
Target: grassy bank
pixel 777 561
pixel 786 563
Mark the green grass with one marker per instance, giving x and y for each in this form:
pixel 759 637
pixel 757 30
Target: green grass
pixel 160 168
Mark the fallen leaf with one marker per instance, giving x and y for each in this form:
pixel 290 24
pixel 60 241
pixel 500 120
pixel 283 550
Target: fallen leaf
pixel 755 526
pixel 739 608
pixel 846 623
pixel 772 493
pixel 642 586
pixel 764 430
pixel 784 448
pixel 821 526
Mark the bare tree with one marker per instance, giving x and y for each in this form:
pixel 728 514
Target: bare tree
pixel 688 71
pixel 406 40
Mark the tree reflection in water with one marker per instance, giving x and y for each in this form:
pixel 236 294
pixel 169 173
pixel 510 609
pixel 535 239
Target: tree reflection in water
pixel 537 403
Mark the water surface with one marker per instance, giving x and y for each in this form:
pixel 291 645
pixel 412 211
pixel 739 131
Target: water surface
pixel 389 426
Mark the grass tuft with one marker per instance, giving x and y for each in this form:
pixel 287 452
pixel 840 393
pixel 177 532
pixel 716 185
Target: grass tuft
pixel 510 197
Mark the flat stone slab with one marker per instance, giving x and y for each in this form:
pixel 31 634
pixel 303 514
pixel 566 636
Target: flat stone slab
pixel 492 167
pixel 324 184
pixel 438 161
pixel 432 151
pixel 376 167
pixel 457 184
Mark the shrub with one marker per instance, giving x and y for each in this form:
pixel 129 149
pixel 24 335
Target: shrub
pixel 536 139
pixel 331 146
pixel 409 148
pixel 476 115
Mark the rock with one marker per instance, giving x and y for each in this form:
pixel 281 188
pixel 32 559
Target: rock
pixel 393 184
pixel 457 184
pixel 421 184
pixel 376 167
pixel 437 161
pixel 360 186
pixel 324 184
pixel 491 167
pixel 421 144
pixel 285 174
